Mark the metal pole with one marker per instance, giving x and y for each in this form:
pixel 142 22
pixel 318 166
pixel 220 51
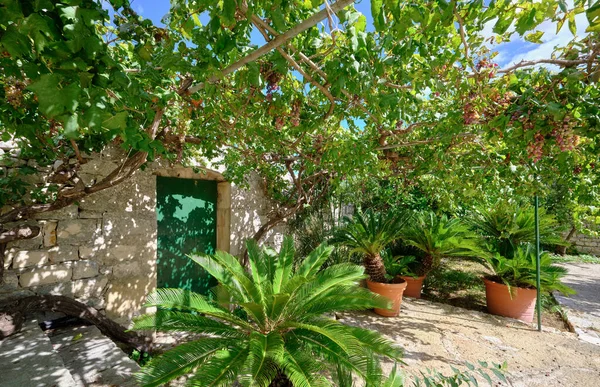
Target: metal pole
pixel 537 261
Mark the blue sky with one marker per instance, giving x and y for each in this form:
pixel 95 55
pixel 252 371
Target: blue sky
pixel 509 53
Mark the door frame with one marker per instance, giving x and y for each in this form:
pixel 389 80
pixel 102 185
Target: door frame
pixel 223 198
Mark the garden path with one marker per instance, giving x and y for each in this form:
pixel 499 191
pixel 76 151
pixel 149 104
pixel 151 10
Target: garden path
pixel 583 308
pixel 440 336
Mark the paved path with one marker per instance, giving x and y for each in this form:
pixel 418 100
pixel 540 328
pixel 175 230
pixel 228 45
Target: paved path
pixel 92 358
pixel 28 360
pixel 440 336
pixel 583 308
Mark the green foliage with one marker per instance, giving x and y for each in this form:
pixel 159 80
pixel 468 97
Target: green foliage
pixel 433 378
pixel 398 265
pixel 77 71
pixel 438 237
pixel 446 282
pixel 507 225
pixel 520 270
pixel 267 323
pixel 370 232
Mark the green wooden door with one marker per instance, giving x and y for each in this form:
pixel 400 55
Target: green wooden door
pixel 186 212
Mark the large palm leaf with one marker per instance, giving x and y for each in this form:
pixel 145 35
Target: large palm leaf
pixel 284 333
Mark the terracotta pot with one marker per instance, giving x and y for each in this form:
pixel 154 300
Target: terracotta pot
pixel 520 304
pixel 414 286
pixel 391 291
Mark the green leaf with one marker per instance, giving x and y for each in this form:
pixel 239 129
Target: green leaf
pixel 118 121
pixel 14 42
pixel 377 12
pixel 228 15
pixel 572 24
pixel 71 126
pixel 54 101
pixel 593 15
pixel 535 37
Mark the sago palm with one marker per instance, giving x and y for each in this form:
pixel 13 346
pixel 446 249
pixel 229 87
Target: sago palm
pixel 520 270
pixel 369 233
pixel 272 329
pixel 506 226
pixel 438 237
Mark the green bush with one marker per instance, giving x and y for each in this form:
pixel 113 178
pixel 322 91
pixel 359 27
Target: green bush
pixel 268 325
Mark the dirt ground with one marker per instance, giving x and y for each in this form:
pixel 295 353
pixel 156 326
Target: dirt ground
pixel 440 336
pixel 459 283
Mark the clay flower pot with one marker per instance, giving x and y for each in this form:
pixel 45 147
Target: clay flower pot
pixel 391 291
pixel 520 304
pixel 414 286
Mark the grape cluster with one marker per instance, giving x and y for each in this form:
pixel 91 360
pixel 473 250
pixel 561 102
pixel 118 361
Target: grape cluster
pixel 470 114
pixel 564 136
pixel 295 115
pixel 486 66
pixel 535 149
pixel 279 122
pixel 13 92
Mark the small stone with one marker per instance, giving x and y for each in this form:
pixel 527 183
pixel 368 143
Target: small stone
pixel 89 288
pixel 46 275
pixel 27 258
pixel 49 232
pixel 63 253
pixel 85 269
pixel 77 230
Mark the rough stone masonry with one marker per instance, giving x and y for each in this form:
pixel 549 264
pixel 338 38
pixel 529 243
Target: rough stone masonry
pixel 102 251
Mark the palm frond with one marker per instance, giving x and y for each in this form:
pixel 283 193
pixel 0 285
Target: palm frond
pixel 222 370
pixel 186 300
pixel 168 321
pixel 181 360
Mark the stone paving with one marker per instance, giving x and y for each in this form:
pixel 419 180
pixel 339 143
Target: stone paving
pixel 583 308
pixel 92 358
pixel 68 357
pixel 440 336
pixel 27 359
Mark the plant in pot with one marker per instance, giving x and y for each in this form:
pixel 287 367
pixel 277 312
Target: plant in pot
pixel 507 225
pixel 271 327
pixel 511 290
pixel 437 237
pixel 369 233
pixel 404 268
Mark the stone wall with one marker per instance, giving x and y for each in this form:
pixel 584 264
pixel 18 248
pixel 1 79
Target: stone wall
pixel 586 244
pixel 102 251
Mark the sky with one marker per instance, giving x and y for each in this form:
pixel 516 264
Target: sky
pixel 508 53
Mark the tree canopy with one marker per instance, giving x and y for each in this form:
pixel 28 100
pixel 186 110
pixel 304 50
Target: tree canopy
pixel 328 97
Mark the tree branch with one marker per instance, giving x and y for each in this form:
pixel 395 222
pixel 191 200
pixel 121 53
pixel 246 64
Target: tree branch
pixel 557 62
pixel 273 44
pixel 260 25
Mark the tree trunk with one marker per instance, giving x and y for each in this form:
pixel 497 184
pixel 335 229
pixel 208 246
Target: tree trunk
pixel 427 264
pixel 562 250
pixel 13 313
pixel 374 268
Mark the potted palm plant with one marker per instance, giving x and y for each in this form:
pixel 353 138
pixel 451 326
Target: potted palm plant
pixel 271 328
pixel 404 268
pixel 437 237
pixel 511 290
pixel 507 225
pixel 369 233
